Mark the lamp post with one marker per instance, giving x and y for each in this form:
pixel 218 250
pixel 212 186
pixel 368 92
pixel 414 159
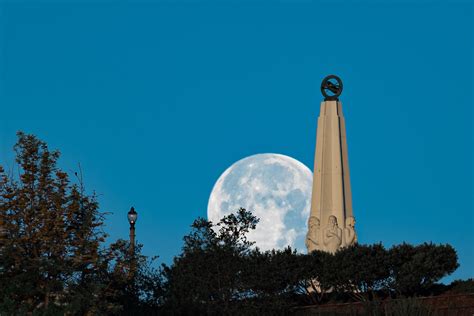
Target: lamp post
pixel 132 219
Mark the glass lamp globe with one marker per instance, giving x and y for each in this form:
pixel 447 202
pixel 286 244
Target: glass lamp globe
pixel 132 216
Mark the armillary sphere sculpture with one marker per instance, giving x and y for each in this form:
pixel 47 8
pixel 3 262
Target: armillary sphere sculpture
pixel 331 88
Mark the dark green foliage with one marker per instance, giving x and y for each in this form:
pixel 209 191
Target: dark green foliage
pixel 320 274
pixel 362 270
pixel 291 278
pixel 207 275
pixel 53 260
pixel 273 277
pixel 414 269
pixel 462 286
pixel 218 272
pixel 129 282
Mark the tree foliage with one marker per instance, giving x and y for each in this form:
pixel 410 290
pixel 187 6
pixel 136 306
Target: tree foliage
pixel 414 269
pixel 207 275
pixel 52 230
pixel 362 270
pixel 219 272
pixel 52 253
pixel 53 258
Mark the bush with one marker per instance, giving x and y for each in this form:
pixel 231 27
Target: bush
pixel 362 270
pixel 462 286
pixel 414 269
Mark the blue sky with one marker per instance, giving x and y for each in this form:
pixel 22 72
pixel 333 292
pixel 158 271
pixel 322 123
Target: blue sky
pixel 156 99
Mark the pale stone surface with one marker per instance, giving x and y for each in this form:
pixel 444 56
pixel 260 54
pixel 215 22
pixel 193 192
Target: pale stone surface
pixel 350 236
pixel 312 237
pixel 331 202
pixel 332 235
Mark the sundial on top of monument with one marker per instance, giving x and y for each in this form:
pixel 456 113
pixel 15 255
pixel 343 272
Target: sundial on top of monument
pixel 331 88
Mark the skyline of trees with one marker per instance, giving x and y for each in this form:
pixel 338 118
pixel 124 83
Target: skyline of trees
pixel 54 259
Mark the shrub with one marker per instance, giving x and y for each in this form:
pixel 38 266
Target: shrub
pixel 416 268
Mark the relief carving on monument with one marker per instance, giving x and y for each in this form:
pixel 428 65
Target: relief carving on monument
pixel 350 236
pixel 332 237
pixel 312 237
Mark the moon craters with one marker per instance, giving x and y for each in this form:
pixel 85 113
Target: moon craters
pixel 276 188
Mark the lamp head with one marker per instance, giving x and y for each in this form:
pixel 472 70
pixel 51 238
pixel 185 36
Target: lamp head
pixel 132 216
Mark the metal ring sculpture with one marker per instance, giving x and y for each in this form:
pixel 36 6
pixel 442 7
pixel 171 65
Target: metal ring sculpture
pixel 331 88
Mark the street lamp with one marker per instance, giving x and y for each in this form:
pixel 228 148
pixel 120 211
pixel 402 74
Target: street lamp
pixel 132 219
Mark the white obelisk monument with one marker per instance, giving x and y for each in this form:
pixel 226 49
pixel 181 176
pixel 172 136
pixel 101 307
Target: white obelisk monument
pixel 331 222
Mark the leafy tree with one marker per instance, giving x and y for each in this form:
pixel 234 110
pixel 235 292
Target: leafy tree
pixel 272 278
pixel 206 276
pixel 416 268
pixel 127 282
pixel 52 258
pixel 462 286
pixel 320 275
pixel 362 270
pixel 52 229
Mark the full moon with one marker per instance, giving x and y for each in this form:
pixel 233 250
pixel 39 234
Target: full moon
pixel 276 189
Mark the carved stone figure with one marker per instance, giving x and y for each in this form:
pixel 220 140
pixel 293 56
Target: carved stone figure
pixel 350 236
pixel 332 236
pixel 312 237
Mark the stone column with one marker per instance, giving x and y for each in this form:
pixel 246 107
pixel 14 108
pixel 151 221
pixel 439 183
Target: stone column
pixel 331 197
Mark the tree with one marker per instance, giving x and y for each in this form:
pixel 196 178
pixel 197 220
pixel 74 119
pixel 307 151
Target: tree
pixel 52 254
pixel 53 232
pixel 272 278
pixel 320 275
pixel 123 289
pixel 414 269
pixel 206 276
pixel 362 270
pixel 53 259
